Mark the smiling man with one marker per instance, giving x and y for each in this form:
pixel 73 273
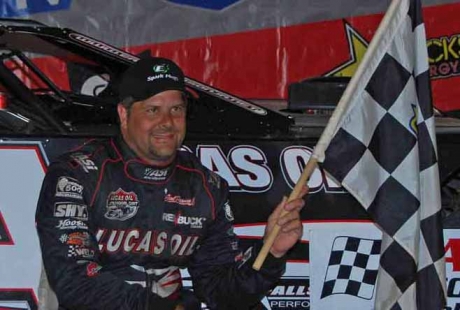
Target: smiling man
pixel 153 126
pixel 117 218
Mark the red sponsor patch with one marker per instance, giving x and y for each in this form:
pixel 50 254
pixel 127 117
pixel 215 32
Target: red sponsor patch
pixel 92 269
pixel 189 202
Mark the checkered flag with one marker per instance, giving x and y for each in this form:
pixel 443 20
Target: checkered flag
pixel 380 144
pixel 352 267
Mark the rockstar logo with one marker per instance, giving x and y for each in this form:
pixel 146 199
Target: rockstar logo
pixel 357 46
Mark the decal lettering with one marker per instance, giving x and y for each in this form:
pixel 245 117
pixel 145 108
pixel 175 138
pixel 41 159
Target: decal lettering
pixel 130 241
pixel 253 171
pixel 155 174
pixel 121 205
pixel 69 209
pixel 453 288
pixel 452 250
pixel 71 224
pixel 102 46
pixel 152 241
pixel 84 161
pixel 180 220
pixel 444 56
pixel 188 202
pixel 290 293
pixel 246 169
pixel 292 162
pixel 160 243
pixel 69 188
pixel 80 252
pixel 5 236
pixel 227 97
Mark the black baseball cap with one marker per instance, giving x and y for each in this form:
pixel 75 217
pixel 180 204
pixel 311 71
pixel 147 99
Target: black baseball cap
pixel 150 76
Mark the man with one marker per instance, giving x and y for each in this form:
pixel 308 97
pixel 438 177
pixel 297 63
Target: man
pixel 118 218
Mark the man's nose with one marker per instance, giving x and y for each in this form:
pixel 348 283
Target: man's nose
pixel 166 119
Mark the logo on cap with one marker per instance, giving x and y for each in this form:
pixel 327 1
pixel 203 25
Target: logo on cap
pixel 161 68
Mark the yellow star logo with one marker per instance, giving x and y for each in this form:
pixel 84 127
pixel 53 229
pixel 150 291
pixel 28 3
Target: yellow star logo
pixel 357 46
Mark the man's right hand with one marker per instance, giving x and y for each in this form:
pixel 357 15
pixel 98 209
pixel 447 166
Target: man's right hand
pixel 179 307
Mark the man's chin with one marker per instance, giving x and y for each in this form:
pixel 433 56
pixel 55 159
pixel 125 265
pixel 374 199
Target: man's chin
pixel 164 157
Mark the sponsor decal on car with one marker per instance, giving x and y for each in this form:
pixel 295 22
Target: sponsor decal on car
pixel 102 46
pixel 452 250
pixel 290 293
pixel 229 98
pixel 121 205
pixel 5 236
pixel 444 56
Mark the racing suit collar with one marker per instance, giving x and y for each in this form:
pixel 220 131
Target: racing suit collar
pixel 137 168
pixel 123 150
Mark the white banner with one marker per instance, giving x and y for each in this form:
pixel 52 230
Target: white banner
pixel 344 259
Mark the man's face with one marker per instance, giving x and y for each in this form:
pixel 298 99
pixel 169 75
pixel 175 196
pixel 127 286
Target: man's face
pixel 155 128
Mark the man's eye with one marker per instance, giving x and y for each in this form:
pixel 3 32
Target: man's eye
pixel 179 108
pixel 151 110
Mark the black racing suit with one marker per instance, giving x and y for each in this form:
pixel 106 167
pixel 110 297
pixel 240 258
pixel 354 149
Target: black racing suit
pixel 114 232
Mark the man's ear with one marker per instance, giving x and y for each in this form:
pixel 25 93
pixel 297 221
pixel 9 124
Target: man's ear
pixel 123 115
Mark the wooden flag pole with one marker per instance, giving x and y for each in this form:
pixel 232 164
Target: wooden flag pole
pixel 333 123
pixel 306 173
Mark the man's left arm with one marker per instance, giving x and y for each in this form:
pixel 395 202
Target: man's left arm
pixel 222 274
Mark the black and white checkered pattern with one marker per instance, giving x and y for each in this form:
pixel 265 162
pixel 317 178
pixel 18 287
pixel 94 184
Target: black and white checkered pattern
pixel 352 267
pixel 384 153
pixel 71 251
